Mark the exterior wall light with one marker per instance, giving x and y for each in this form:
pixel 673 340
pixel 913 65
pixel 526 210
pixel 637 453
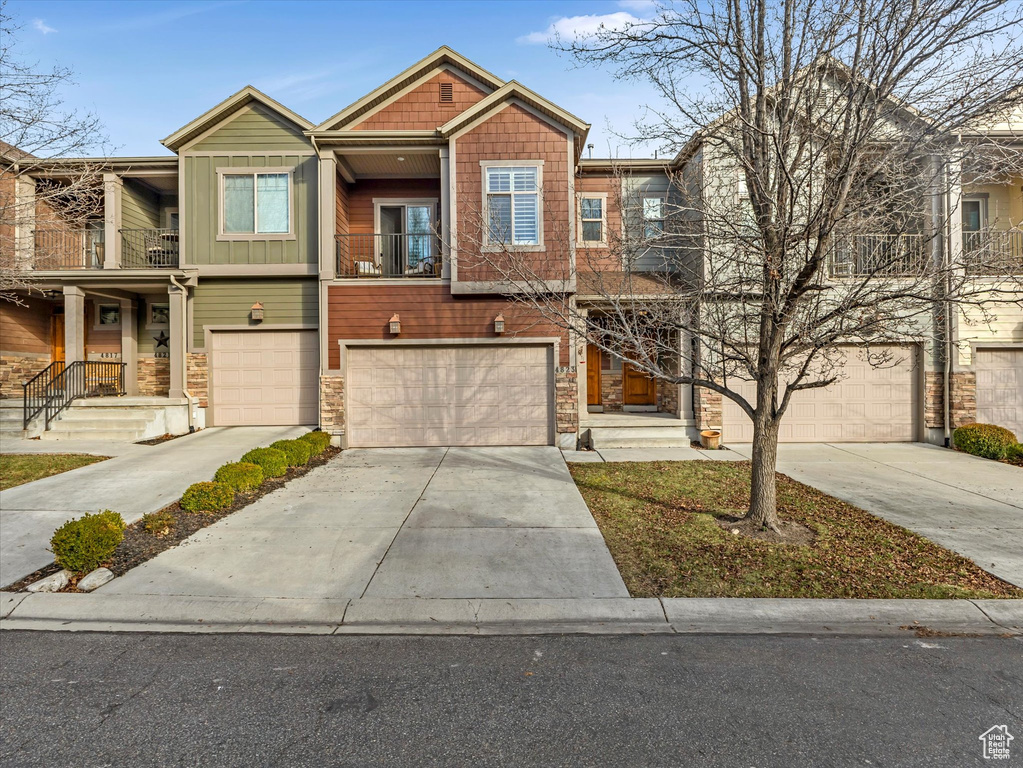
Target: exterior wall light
pixel 499 324
pixel 256 312
pixel 395 324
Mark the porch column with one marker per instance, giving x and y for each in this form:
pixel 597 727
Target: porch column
pixel 74 324
pixel 445 212
pixel 177 297
pixel 24 221
pixel 130 345
pixel 328 213
pixel 111 220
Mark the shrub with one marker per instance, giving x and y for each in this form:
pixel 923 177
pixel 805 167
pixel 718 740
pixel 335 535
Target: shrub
pixel 240 476
pixel 158 523
pixel 320 441
pixel 84 544
pixel 207 497
pixel 273 462
pixel 297 451
pixel 1014 454
pixel 985 440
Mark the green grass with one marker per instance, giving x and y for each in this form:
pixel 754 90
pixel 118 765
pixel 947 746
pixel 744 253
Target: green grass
pixel 21 468
pixel 658 519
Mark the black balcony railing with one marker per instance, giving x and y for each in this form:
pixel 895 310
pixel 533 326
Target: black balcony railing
pixel 379 255
pixel 871 254
pixel 149 248
pixel 52 390
pixel 59 248
pixel 993 252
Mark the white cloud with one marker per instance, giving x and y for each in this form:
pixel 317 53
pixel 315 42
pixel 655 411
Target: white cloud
pixel 580 27
pixel 40 26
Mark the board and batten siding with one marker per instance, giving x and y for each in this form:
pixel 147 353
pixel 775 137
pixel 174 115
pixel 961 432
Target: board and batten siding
pixel 229 301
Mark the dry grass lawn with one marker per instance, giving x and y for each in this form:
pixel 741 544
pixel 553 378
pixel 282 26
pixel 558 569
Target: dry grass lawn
pixel 21 468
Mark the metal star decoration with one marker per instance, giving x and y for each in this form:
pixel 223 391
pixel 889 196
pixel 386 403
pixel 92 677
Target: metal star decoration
pixel 162 340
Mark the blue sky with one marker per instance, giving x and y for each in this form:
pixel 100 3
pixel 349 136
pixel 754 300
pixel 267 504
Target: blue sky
pixel 147 68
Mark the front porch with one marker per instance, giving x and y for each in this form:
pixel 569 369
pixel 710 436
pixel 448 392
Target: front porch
pixel 623 429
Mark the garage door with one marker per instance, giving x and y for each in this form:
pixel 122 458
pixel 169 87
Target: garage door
pixel 868 405
pixel 460 395
pixel 264 377
pixel 1000 388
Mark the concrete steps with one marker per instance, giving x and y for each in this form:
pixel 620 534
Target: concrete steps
pixel 11 419
pixel 674 434
pixel 106 420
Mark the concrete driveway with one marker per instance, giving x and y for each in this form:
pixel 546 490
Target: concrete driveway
pixel 137 481
pixel 401 523
pixel 969 505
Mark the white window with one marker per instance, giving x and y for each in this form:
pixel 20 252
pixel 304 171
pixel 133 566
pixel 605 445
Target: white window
pixel 512 204
pixel 653 217
pixel 255 202
pixel 593 219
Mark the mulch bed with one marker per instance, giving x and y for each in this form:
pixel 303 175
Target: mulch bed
pixel 139 545
pixel 165 438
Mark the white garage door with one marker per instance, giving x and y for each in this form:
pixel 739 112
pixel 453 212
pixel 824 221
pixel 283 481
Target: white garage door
pixel 868 405
pixel 1000 388
pixel 264 377
pixel 460 395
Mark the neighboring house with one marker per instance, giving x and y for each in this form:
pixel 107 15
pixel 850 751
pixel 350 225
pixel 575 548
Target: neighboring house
pixel 273 271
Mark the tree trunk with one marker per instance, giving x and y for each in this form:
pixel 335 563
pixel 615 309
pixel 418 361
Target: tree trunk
pixel 763 507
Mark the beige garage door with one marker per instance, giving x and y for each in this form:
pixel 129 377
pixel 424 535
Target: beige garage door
pixel 460 395
pixel 264 377
pixel 1000 388
pixel 868 405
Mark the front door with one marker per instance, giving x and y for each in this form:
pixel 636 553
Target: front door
pixel 638 388
pixel 57 338
pixel 593 361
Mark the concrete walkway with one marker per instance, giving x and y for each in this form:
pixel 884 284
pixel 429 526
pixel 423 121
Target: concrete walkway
pixel 414 523
pixel 138 481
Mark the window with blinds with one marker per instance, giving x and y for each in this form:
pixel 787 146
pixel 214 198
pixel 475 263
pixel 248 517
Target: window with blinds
pixel 513 205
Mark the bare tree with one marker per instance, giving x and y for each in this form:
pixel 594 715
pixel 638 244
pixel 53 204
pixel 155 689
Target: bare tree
pixel 35 127
pixel 813 197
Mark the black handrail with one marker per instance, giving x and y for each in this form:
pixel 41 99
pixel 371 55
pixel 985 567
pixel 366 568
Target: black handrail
pixel 34 391
pixel 82 378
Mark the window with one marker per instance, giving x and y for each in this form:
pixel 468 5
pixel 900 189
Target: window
pixel 171 218
pixel 108 315
pixel 256 203
pixel 513 204
pixel 653 217
pixel 159 316
pixel 974 215
pixel 592 219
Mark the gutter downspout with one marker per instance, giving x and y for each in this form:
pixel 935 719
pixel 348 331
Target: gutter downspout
pixel 192 401
pixel 946 311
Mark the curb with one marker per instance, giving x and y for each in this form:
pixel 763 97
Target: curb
pixel 598 616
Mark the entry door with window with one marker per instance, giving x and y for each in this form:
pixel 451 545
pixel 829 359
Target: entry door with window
pixel 974 223
pixel 407 247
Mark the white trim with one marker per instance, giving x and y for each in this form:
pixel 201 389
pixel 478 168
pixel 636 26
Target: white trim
pixel 302 269
pixel 402 202
pixel 254 153
pixel 602 196
pixel 167 218
pixel 254 171
pixel 538 246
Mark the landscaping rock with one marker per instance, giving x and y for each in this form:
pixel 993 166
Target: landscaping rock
pixel 96 579
pixel 55 582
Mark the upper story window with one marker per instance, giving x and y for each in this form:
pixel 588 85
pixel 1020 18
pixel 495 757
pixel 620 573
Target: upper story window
pixel 653 217
pixel 593 219
pixel 512 200
pixel 255 203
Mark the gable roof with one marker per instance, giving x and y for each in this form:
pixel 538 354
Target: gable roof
pixel 515 89
pixel 225 109
pixel 417 71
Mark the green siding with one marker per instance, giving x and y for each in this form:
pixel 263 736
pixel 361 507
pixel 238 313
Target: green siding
pixel 140 206
pixel 202 206
pixel 228 301
pixel 146 342
pixel 256 128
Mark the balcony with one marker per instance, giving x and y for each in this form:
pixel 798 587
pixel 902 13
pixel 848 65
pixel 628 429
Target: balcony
pixel 149 248
pixel 63 248
pixel 993 252
pixel 879 254
pixel 388 256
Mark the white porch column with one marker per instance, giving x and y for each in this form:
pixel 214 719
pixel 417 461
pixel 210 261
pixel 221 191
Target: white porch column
pixel 112 220
pixel 328 213
pixel 130 345
pixel 177 297
pixel 74 324
pixel 445 211
pixel 24 220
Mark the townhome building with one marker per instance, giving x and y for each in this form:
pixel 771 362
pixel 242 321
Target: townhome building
pixel 273 271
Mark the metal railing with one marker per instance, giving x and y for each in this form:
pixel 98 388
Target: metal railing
pixel 149 248
pixel 993 252
pixel 380 255
pixel 868 254
pixel 51 391
pixel 60 248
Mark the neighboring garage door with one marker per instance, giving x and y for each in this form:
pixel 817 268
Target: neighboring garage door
pixel 457 395
pixel 264 377
pixel 1000 388
pixel 868 405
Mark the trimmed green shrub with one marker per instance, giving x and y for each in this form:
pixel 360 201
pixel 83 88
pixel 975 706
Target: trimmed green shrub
pixel 84 544
pixel 207 497
pixel 158 523
pixel 1014 454
pixel 320 441
pixel 297 451
pixel 272 461
pixel 240 476
pixel 985 440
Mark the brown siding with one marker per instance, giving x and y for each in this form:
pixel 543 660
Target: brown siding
pixel 601 259
pixel 361 194
pixel 25 328
pixel 421 108
pixel 97 341
pixel 341 207
pixel 426 312
pixel 513 134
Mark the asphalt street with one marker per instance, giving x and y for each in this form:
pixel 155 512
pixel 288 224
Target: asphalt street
pixel 244 700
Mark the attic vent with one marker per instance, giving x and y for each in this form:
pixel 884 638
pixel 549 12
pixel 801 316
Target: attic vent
pixel 447 93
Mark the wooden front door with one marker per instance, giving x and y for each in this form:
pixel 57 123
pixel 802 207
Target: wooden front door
pixel 593 361
pixel 57 339
pixel 638 388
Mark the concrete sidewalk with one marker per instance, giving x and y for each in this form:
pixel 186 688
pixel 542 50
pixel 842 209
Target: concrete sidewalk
pixel 137 482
